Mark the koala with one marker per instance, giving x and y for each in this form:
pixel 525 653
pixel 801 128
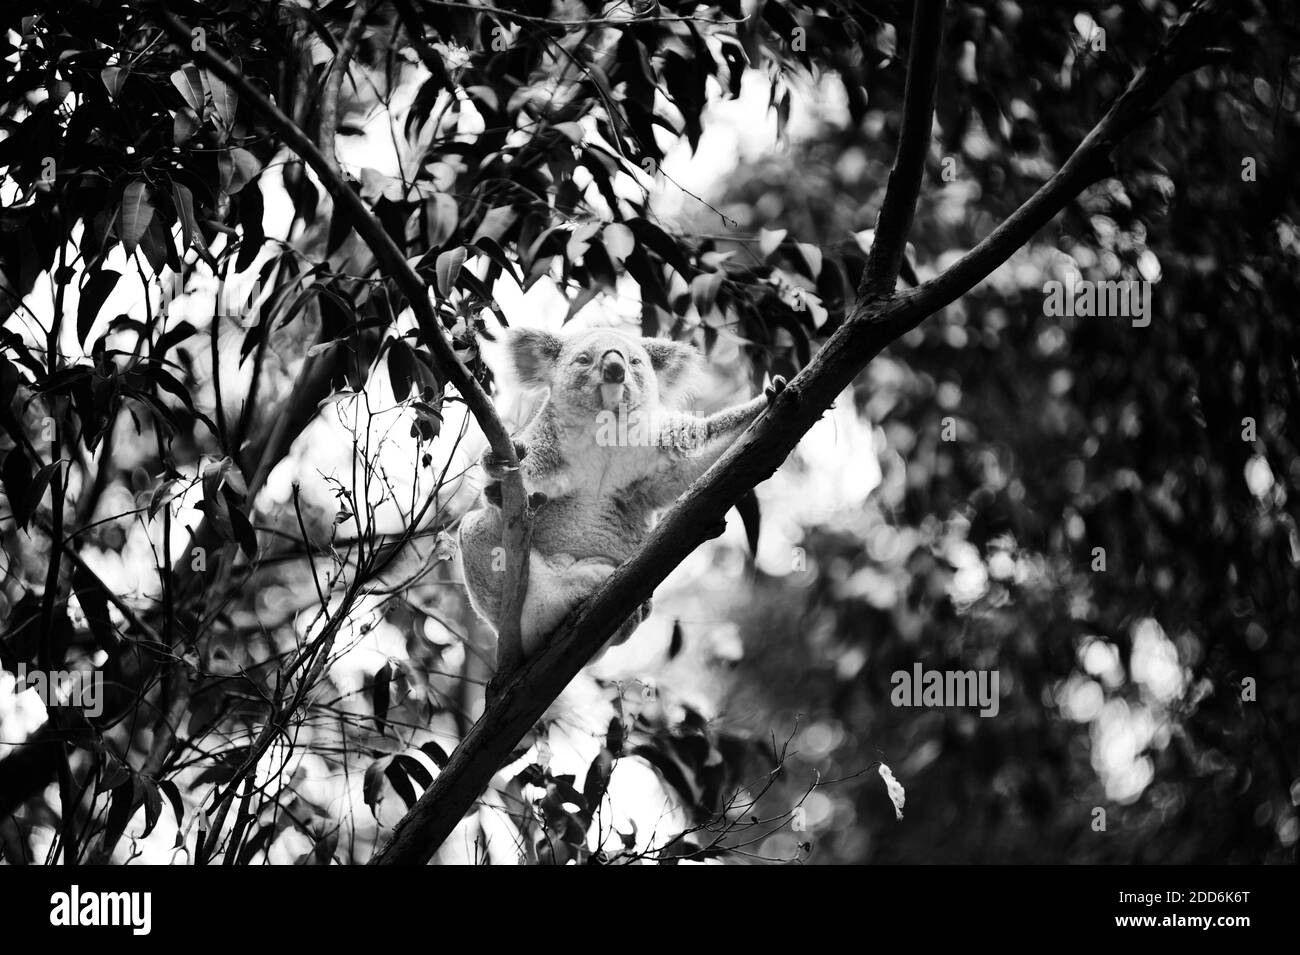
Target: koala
pixel 608 449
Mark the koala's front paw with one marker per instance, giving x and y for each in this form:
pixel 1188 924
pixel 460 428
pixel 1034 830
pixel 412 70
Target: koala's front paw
pixel 496 469
pixel 775 388
pixel 493 494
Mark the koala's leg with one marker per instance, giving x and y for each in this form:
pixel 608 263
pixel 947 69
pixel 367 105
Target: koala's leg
pixel 624 632
pixel 556 585
pixel 483 561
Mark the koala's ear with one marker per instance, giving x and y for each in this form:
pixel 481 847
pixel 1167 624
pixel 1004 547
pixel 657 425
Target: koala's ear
pixel 675 364
pixel 534 354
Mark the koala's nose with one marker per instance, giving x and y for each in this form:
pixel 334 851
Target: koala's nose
pixel 612 369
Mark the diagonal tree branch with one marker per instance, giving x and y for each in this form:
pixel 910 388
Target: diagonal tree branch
pixel 696 516
pixel 28 768
pixel 515 513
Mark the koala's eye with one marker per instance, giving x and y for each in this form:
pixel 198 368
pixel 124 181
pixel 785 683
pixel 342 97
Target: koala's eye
pixel 583 359
pixel 636 361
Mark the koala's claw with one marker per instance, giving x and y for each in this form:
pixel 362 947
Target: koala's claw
pixel 774 389
pixel 496 470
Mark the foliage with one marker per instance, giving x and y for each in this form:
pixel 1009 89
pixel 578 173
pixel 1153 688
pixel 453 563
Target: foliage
pixel 528 141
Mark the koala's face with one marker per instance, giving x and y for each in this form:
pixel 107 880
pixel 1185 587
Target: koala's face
pixel 602 369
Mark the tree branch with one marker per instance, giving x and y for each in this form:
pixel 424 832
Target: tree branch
pixel 873 325
pixel 329 106
pixel 514 503
pixel 899 207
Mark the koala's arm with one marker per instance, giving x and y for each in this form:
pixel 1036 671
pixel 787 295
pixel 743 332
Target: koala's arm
pixel 702 442
pixel 540 461
pixel 544 468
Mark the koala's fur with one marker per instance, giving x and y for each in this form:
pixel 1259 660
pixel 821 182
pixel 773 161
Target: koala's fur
pixel 601 495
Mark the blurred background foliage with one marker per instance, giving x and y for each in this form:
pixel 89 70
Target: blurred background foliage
pixel 1173 447
pixel 1100 512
